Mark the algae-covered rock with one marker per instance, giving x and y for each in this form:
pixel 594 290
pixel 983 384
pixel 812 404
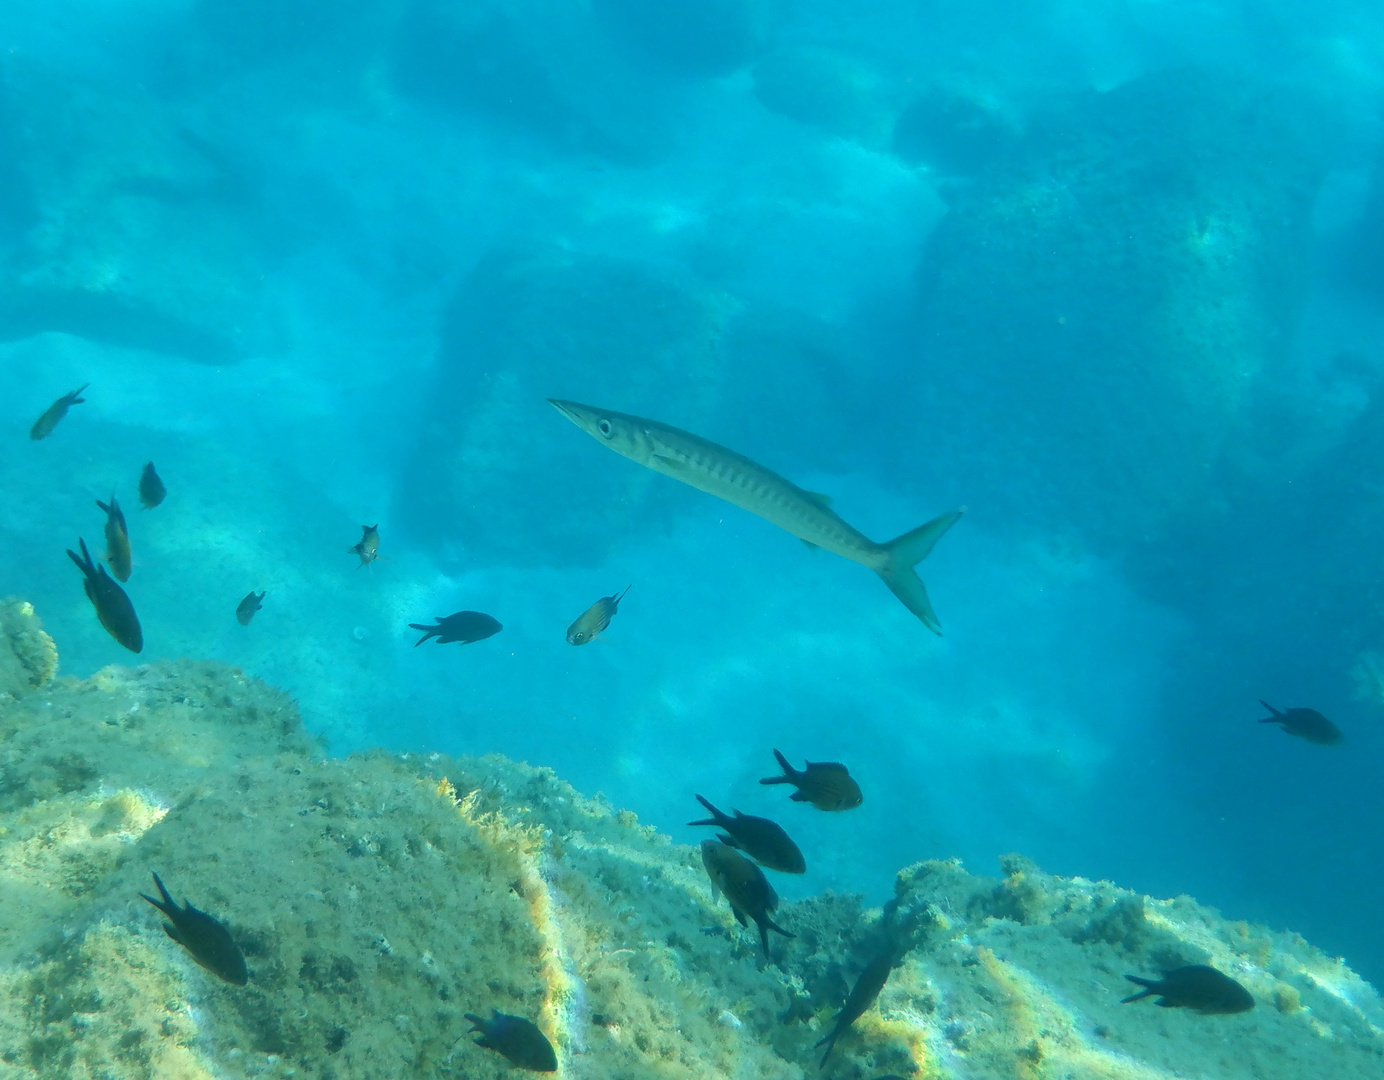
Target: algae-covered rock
pixel 28 657
pixel 378 899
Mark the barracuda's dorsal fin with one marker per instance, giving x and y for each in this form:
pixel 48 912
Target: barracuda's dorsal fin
pixel 819 498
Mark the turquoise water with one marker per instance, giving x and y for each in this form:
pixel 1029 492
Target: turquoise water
pixel 1106 275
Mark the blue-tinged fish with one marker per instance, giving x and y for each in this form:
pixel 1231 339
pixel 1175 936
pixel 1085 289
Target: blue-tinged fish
pixel 827 785
pixel 117 539
pixel 466 627
pixel 112 606
pixel 206 940
pixel 738 480
pixel 595 618
pixel 369 547
pixel 745 888
pixel 245 610
pixel 44 425
pixel 761 839
pixel 515 1039
pixel 1305 724
pixel 862 996
pixel 1197 987
pixel 151 489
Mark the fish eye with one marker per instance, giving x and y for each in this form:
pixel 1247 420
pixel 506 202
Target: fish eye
pixel 605 428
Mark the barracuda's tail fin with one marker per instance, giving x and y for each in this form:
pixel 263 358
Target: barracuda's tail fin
pixel 907 551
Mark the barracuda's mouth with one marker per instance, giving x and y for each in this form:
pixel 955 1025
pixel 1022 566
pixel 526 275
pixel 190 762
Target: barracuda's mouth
pixel 567 408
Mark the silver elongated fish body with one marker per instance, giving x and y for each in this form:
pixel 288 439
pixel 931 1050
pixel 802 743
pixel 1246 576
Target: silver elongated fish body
pixel 711 468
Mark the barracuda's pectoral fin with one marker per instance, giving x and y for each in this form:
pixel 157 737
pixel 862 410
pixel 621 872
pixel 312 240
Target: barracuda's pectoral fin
pixel 907 551
pixel 669 466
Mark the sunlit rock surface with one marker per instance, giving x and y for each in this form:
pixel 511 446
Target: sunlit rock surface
pixel 378 898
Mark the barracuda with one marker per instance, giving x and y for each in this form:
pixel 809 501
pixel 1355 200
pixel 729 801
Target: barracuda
pixel 738 480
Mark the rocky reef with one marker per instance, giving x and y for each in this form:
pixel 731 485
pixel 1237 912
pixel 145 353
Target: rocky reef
pixel 378 898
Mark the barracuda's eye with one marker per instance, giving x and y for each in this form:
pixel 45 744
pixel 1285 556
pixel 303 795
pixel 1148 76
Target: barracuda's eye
pixel 605 428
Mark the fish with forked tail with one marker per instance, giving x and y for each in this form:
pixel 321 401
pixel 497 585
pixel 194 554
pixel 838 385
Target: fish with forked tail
pixel 245 610
pixel 827 785
pixel 112 606
pixel 1305 724
pixel 204 937
pixel 466 627
pixel 117 539
pixel 151 489
pixel 369 547
pixel 1197 987
pixel 745 888
pixel 517 1040
pixel 595 618
pixel 862 996
pixel 44 425
pixel 761 839
pixel 730 476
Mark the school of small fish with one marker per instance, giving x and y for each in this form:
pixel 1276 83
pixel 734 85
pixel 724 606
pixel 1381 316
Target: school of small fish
pixel 745 845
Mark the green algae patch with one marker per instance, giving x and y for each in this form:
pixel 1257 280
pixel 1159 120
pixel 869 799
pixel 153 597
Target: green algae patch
pixel 28 657
pixel 379 898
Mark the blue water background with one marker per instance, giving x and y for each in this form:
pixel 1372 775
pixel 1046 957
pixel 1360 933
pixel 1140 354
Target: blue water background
pixel 395 228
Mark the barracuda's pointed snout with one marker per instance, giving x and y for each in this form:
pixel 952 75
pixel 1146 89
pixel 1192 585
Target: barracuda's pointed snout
pixel 581 415
pixel 598 423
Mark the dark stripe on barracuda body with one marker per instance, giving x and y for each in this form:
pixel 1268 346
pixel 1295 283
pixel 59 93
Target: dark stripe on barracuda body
pixel 733 477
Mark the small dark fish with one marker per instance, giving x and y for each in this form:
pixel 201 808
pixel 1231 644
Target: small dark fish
pixel 369 547
pixel 759 838
pixel 245 610
pixel 463 626
pixel 44 425
pixel 1197 987
pixel 206 939
pixel 112 606
pixel 745 888
pixel 595 618
pixel 151 489
pixel 517 1040
pixel 117 539
pixel 862 996
pixel 1305 724
pixel 827 785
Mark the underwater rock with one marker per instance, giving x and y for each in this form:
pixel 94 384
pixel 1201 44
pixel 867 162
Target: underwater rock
pixel 695 37
pixel 28 657
pixel 122 247
pixel 377 903
pixel 841 93
pixel 547 68
pixel 1098 315
pixel 954 130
